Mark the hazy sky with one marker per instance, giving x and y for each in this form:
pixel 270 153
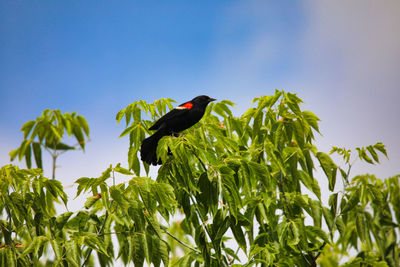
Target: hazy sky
pixel 95 57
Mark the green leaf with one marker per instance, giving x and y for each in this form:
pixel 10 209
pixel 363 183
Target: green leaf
pixel 363 155
pixel 120 115
pixel 37 152
pixel 127 130
pixel 60 146
pixel 352 202
pixel 62 219
pixel 223 227
pixel 122 170
pixel 27 127
pixel 34 245
pixel 310 183
pixel 373 153
pixel 153 223
pixel 90 201
pixel 131 157
pixel 232 253
pixel 119 197
pixel 311 119
pixel 293 241
pixel 56 189
pixel 299 133
pixel 381 147
pixel 79 136
pixel 56 132
pixel 28 157
pixel 83 123
pixel 329 168
pixel 282 231
pixel 318 232
pixel 238 233
pixel 13 154
pixel 255 249
pixel 71 251
pixel 22 149
pixel 95 243
pixel 138 249
pixel 164 194
pixel 10 256
pixel 360 226
pixel 164 250
pixel 57 248
pixel 333 203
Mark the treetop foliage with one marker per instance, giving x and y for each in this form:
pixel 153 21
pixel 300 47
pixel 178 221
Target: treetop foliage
pixel 245 189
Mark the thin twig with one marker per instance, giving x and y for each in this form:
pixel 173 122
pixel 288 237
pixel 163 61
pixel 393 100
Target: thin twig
pixel 179 241
pixel 201 162
pixel 54 155
pixel 118 233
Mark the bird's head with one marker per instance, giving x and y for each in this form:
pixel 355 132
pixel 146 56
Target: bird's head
pixel 202 100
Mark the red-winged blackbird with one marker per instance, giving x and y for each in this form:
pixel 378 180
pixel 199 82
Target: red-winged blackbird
pixel 175 121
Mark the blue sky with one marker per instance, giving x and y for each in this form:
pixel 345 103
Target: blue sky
pixel 96 57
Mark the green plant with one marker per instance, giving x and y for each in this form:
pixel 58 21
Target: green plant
pixel 47 132
pixel 236 191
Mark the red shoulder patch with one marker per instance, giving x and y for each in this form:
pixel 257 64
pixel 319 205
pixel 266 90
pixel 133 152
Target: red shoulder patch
pixel 187 105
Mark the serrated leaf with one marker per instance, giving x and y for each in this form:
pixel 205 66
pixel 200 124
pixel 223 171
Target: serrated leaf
pixel 309 182
pixel 318 232
pixel 138 245
pixel 360 226
pixel 56 189
pixel 11 257
pixel 311 119
pixel 62 219
pixel 34 245
pixel 381 147
pixel 153 223
pixel 164 194
pixel 164 251
pixel 352 202
pixel 296 234
pixel 329 168
pixel 119 197
pixel 373 153
pixel 57 248
pixel 90 201
pixel 95 243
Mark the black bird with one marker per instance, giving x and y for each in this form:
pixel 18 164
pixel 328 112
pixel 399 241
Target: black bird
pixel 175 121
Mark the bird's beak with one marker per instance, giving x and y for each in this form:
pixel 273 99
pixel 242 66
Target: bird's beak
pixel 212 99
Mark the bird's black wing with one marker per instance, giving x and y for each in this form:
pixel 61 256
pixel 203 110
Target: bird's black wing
pixel 176 112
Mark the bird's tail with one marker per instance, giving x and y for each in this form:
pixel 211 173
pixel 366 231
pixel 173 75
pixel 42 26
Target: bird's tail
pixel 148 149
